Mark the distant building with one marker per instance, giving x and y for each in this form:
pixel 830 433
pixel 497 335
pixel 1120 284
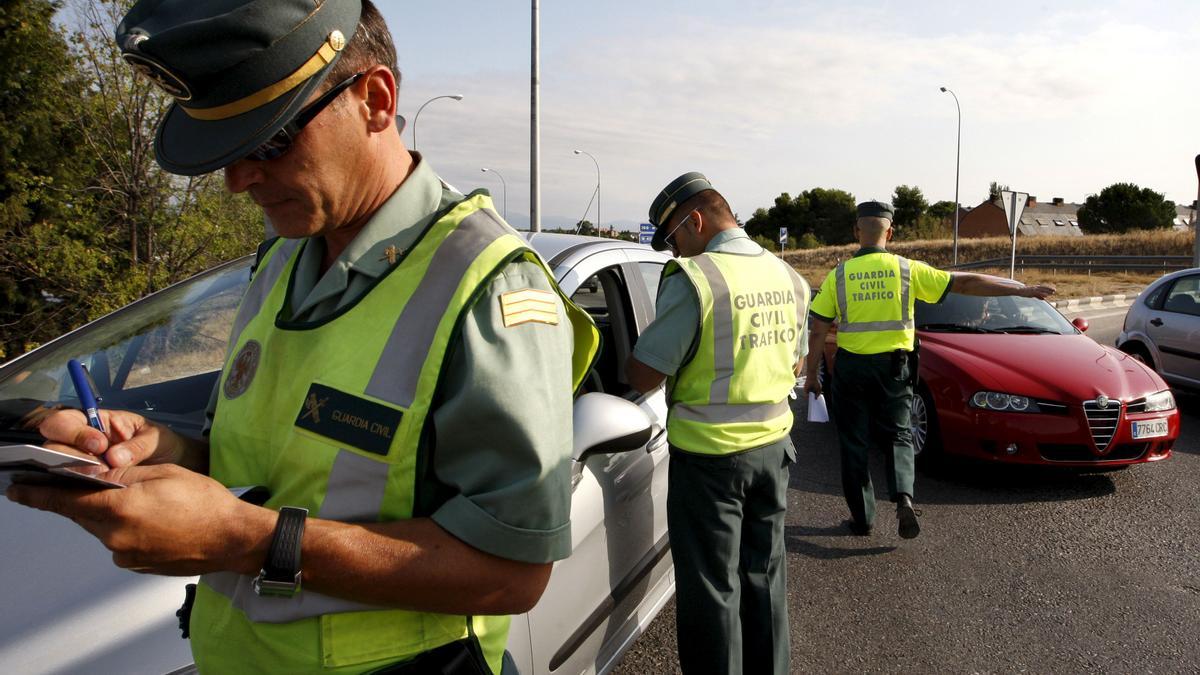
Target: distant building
pixel 1058 218
pixel 1185 217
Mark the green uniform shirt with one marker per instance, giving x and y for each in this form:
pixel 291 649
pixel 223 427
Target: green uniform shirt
pixel 501 459
pixel 670 340
pixel 927 283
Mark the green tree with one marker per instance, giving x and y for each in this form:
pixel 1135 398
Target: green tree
pixel 90 220
pixel 39 173
pixel 827 215
pixel 832 214
pixel 909 205
pixel 943 210
pixel 994 190
pixel 1124 206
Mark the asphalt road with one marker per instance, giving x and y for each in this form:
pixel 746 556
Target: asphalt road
pixel 1015 569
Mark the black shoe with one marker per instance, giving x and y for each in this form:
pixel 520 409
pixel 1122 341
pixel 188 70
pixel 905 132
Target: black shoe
pixel 906 517
pixel 859 529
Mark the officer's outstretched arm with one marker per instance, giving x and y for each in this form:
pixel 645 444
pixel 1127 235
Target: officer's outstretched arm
pixel 968 283
pixel 641 376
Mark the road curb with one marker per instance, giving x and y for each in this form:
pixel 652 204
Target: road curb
pixel 1121 300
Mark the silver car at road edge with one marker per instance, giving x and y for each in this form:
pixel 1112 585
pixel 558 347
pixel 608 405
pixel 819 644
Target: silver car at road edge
pixel 68 609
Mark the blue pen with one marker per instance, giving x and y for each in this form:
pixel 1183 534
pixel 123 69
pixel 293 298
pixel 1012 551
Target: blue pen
pixel 87 398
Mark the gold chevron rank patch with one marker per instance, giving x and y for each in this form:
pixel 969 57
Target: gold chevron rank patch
pixel 528 305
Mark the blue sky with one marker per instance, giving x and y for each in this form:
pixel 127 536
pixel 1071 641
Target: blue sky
pixel 765 96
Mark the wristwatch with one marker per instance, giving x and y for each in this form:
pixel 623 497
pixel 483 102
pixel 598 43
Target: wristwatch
pixel 280 575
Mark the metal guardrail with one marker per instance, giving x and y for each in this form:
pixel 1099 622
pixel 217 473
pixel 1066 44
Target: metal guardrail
pixel 1091 263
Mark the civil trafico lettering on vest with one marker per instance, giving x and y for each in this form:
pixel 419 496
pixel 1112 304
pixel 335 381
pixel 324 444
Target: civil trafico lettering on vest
pixel 768 338
pixel 873 295
pixel 776 308
pixel 872 285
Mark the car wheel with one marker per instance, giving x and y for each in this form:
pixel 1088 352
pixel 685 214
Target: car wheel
pixel 926 437
pixel 1139 352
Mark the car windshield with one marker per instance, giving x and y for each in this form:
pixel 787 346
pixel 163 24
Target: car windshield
pixel 1004 314
pixel 159 356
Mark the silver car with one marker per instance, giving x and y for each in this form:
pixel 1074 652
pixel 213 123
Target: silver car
pixel 1162 328
pixel 67 608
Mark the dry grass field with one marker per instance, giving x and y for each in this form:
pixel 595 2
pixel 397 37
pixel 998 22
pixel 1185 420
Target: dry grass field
pixel 815 263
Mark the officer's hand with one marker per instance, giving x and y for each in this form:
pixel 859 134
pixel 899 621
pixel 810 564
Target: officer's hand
pixel 167 520
pixel 1039 292
pixel 812 384
pixel 131 439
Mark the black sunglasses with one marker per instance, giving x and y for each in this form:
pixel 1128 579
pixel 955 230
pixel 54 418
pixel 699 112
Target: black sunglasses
pixel 277 145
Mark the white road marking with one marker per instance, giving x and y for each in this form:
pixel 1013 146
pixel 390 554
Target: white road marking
pixel 1089 316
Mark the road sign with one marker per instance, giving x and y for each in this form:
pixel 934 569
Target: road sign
pixel 648 227
pixel 645 237
pixel 1014 205
pixel 783 236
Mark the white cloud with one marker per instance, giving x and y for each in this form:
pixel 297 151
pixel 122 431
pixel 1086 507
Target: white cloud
pixel 1061 107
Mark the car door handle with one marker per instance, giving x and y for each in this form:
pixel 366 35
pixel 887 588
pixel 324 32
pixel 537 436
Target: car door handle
pixel 1156 321
pixel 657 441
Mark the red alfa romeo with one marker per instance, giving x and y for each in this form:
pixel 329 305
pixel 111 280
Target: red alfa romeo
pixel 1008 379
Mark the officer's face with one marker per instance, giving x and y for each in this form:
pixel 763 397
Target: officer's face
pixel 313 187
pixel 672 240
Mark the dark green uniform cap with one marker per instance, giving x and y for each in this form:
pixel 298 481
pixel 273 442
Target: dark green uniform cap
pixel 875 210
pixel 238 69
pixel 677 192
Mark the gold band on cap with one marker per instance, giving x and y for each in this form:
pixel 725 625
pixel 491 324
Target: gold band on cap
pixel 324 56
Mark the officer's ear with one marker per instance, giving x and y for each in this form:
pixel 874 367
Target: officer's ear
pixel 891 231
pixel 378 91
pixel 696 220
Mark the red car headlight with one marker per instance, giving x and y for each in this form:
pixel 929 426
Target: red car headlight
pixel 1163 400
pixel 1002 402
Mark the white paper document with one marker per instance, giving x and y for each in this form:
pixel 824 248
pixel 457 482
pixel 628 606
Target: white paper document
pixel 817 412
pixel 35 464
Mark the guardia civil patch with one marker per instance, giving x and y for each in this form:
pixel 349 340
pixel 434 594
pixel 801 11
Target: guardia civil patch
pixel 241 372
pixel 528 305
pixel 348 419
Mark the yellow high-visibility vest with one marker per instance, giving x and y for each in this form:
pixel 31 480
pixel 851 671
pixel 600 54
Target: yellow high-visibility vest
pixel 329 416
pixel 732 395
pixel 876 294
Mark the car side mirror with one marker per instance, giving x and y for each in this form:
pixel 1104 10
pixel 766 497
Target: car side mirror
pixel 1080 323
pixel 605 423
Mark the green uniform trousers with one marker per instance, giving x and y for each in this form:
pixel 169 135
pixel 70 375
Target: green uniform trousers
pixel 872 405
pixel 725 515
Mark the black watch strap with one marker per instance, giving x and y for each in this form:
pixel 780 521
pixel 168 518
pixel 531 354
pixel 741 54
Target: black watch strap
pixel 280 575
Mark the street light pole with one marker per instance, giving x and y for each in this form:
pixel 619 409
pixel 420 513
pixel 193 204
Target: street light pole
pixel 504 186
pixel 957 158
pixel 584 152
pixel 535 131
pixel 456 97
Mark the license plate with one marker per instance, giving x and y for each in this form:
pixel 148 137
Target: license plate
pixel 1149 429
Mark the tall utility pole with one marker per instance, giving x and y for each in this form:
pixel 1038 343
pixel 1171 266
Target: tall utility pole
pixel 957 158
pixel 1196 220
pixel 535 132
